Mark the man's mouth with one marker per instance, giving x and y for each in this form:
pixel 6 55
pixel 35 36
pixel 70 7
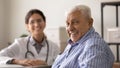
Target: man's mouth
pixel 73 33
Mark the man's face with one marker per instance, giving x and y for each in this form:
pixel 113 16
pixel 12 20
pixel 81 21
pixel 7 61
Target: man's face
pixel 77 25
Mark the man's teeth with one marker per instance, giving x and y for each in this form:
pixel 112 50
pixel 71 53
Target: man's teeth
pixel 73 32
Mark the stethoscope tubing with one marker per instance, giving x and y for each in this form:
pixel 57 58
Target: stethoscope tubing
pixel 28 51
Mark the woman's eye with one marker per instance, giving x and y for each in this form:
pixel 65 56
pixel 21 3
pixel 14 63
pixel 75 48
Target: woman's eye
pixel 32 22
pixel 36 21
pixel 39 20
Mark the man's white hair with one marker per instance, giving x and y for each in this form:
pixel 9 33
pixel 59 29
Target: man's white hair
pixel 85 10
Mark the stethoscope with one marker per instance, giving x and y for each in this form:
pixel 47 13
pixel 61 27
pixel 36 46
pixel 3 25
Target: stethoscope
pixel 29 52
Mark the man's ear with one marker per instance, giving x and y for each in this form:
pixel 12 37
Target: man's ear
pixel 91 21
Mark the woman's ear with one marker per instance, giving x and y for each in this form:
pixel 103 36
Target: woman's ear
pixel 45 25
pixel 27 27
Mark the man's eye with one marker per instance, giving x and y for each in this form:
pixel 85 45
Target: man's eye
pixel 75 22
pixel 67 24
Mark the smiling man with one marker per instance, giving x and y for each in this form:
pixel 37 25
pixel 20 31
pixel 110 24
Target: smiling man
pixel 85 49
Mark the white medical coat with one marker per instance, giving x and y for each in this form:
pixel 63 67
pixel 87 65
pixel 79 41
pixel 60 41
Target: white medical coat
pixel 18 49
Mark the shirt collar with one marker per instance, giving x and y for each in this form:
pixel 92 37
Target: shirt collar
pixel 33 42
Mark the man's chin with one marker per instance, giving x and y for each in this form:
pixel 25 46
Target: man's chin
pixel 73 35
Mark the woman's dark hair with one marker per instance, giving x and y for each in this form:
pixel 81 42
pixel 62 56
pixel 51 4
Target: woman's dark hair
pixel 33 11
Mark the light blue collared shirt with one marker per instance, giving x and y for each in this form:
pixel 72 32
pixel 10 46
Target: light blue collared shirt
pixel 91 51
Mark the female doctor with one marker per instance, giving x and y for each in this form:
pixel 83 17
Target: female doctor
pixel 33 50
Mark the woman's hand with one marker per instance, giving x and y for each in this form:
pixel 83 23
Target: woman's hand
pixel 29 62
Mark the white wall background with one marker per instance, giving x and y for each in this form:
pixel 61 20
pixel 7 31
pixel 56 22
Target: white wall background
pixel 2 24
pixel 12 14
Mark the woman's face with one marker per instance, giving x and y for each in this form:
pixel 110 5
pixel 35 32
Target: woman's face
pixel 36 24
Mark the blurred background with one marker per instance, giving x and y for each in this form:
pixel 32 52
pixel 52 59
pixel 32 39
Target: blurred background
pixel 12 14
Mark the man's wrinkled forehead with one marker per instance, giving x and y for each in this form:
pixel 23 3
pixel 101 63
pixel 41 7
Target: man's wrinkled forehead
pixel 75 14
